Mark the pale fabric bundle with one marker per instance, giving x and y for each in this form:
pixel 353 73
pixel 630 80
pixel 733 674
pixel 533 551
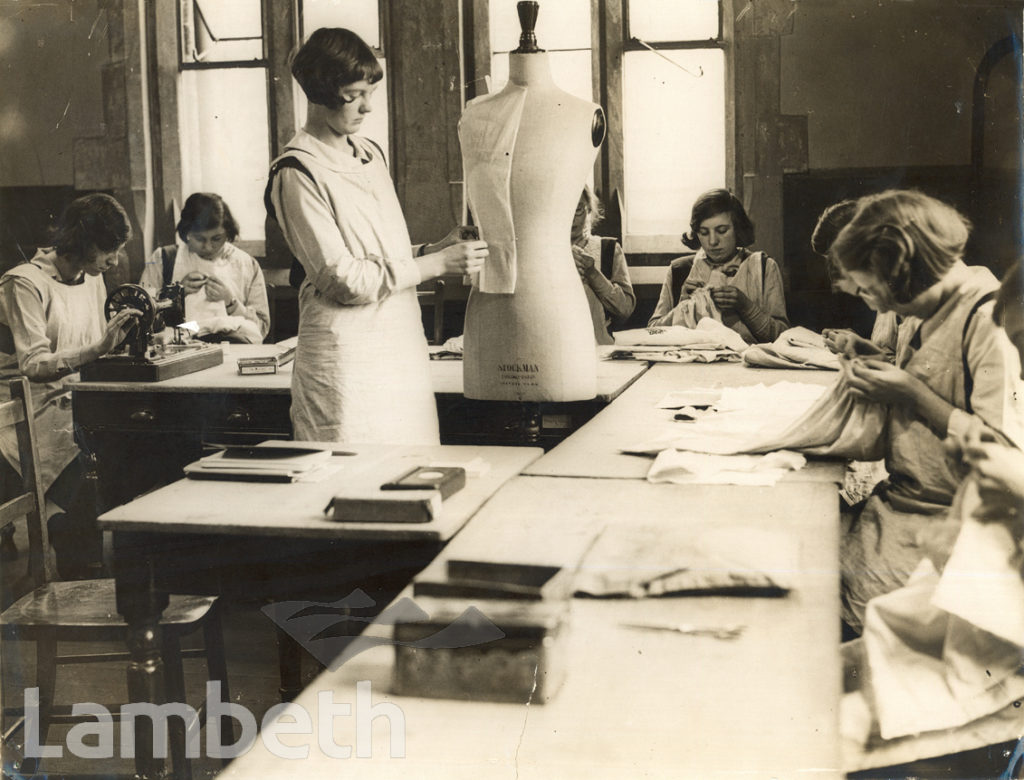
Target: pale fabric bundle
pixel 690 311
pixel 794 348
pixel 944 653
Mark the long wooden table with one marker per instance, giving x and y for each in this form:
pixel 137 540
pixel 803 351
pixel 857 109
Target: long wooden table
pixel 273 541
pixel 169 421
pixel 635 703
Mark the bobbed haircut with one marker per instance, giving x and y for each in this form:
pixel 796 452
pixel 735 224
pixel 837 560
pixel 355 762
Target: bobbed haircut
pixel 1011 293
pixel 712 203
pixel 206 211
pixel 832 220
pixel 907 239
pixel 90 223
pixel 333 58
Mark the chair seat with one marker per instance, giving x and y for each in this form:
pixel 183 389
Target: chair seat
pixel 91 604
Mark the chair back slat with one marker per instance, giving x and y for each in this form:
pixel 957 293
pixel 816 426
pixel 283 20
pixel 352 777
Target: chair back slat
pixel 19 506
pixel 41 565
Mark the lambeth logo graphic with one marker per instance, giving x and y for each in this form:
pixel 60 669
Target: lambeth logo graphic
pixel 332 632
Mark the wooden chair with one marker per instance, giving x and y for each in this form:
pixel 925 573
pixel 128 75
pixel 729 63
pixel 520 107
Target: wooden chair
pixel 82 611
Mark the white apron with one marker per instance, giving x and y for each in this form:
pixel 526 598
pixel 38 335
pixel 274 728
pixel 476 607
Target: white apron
pixel 74 318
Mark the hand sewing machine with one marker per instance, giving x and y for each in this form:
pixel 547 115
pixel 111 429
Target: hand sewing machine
pixel 137 358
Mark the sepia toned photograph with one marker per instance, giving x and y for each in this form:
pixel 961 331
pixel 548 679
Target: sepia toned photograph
pixel 512 389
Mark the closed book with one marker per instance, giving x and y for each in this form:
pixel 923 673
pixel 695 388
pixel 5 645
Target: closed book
pixel 405 506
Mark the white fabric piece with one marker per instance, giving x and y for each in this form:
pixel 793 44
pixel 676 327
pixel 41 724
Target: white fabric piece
pixel 685 468
pixel 708 334
pixel 696 396
pixel 746 420
pixel 677 355
pixel 638 560
pixel 488 139
pixel 794 348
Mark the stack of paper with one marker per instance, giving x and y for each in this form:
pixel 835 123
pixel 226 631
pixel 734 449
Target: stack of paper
pixel 261 463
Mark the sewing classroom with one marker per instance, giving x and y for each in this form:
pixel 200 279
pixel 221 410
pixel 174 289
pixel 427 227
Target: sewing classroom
pixel 512 390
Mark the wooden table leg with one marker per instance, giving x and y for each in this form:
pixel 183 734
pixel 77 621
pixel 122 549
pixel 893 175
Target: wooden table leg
pixel 141 606
pixel 289 659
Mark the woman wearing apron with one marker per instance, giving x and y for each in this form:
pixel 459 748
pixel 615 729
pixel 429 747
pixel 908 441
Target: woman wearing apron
pixel 51 324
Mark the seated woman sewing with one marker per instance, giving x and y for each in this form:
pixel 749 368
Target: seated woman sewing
pixel 724 278
pixel 225 293
pixel 51 324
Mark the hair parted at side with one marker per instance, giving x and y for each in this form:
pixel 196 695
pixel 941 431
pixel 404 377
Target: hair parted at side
pixel 333 58
pixel 205 211
pixel 832 220
pixel 712 203
pixel 89 223
pixel 907 239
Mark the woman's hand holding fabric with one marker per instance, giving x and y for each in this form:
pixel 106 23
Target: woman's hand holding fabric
pixel 1000 475
pixel 882 382
pixel 193 282
pixel 463 257
pixel 730 298
pixel 216 290
pixel 846 342
pixel 584 262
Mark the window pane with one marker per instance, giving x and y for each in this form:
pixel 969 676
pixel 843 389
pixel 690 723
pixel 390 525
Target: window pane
pixel 561 25
pixel 571 71
pixel 224 140
pixel 359 16
pixel 674 128
pixel 221 31
pixel 679 20
pixel 374 126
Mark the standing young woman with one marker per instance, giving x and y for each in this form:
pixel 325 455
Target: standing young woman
pixel 954 369
pixel 52 324
pixel 746 286
pixel 361 365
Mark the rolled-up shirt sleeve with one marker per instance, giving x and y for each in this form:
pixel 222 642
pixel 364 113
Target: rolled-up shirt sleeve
pixel 26 317
pixel 312 233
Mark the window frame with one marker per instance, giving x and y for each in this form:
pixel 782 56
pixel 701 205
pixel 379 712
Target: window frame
pixel 612 41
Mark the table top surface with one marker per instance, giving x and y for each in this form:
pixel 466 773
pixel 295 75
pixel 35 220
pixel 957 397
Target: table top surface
pixel 634 703
pixel 446 375
pixel 297 509
pixel 593 450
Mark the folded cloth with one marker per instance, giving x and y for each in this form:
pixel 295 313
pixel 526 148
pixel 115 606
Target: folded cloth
pixel 794 348
pixel 452 349
pixel 663 559
pixel 697 467
pixel 709 334
pixel 231 326
pixel 676 355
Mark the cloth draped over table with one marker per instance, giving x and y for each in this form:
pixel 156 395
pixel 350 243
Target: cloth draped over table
pixel 794 348
pixel 488 140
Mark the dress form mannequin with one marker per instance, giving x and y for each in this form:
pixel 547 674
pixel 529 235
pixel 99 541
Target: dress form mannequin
pixel 528 334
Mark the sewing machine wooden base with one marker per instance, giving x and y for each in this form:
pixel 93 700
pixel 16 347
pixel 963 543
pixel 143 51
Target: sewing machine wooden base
pixel 176 361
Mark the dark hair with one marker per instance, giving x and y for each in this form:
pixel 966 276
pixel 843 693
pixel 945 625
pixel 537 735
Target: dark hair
pixel 205 211
pixel 712 203
pixel 832 220
pixel 1011 292
pixel 90 223
pixel 333 58
pixel 904 237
